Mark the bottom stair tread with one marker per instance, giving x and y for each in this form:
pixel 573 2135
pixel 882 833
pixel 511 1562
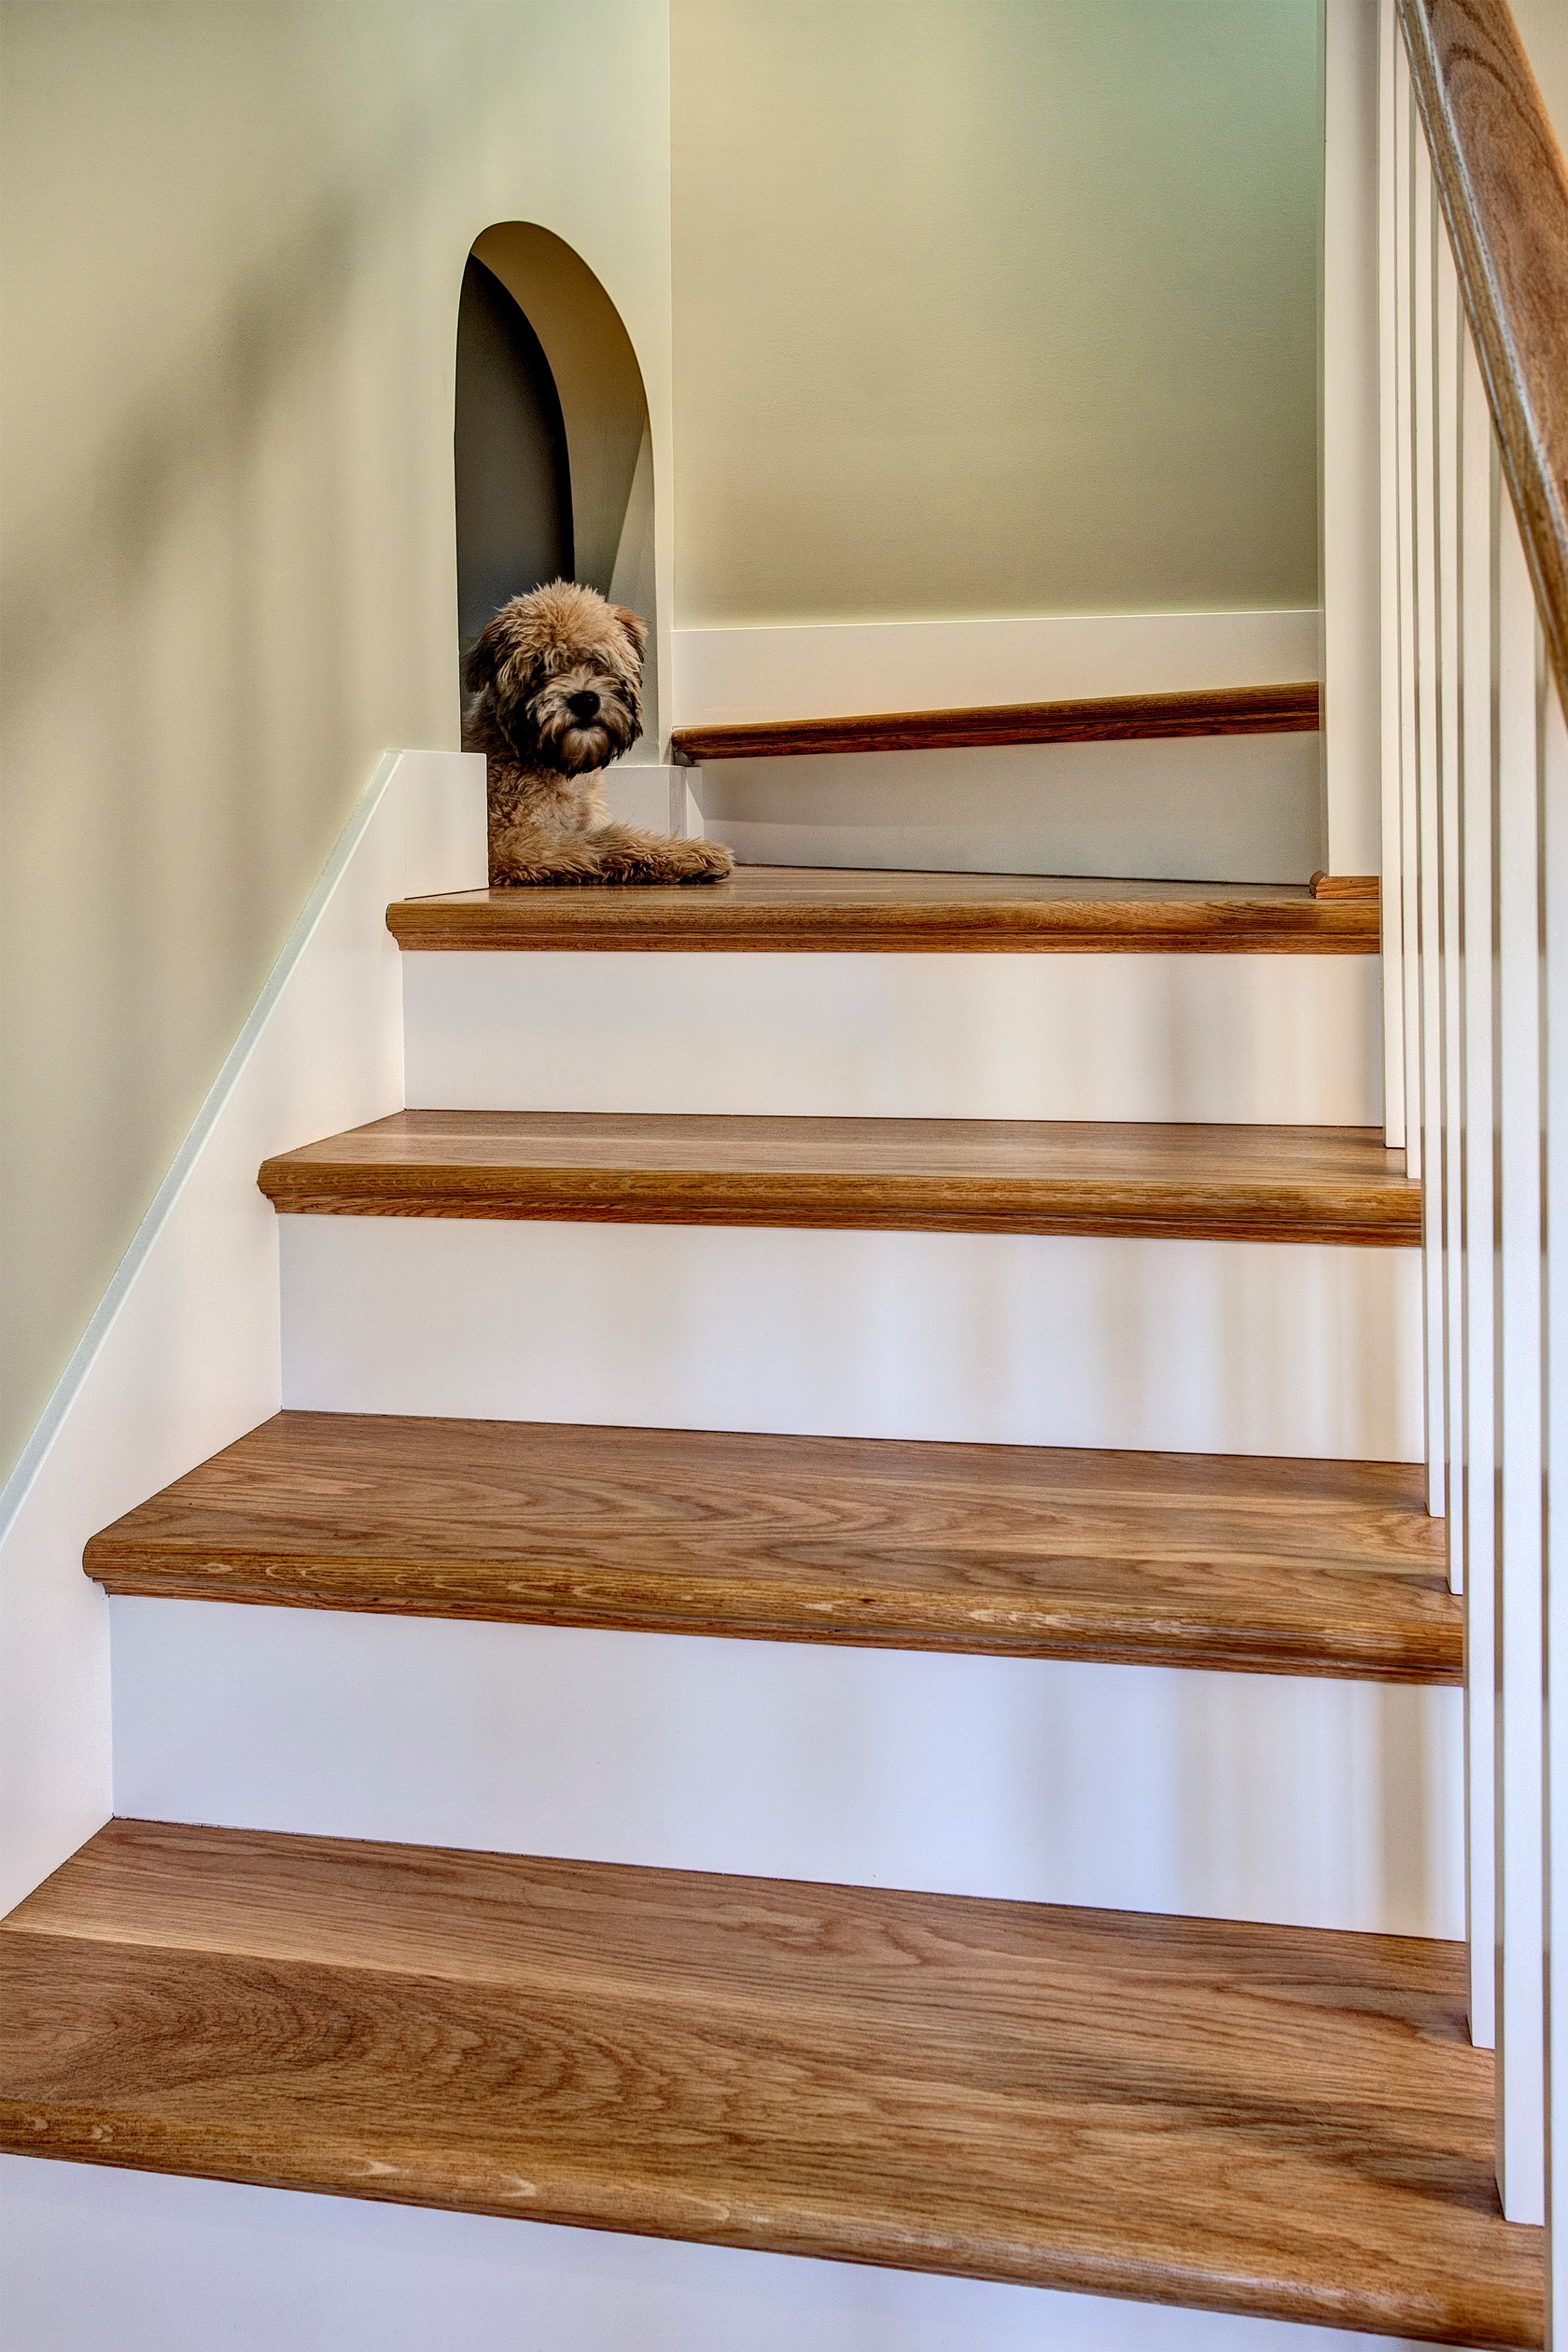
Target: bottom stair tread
pixel 1239 2118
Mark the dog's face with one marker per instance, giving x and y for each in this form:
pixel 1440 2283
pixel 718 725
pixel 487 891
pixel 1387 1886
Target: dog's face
pixel 560 673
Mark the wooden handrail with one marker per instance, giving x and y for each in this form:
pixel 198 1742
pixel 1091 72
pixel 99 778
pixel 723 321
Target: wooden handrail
pixel 1212 710
pixel 1503 185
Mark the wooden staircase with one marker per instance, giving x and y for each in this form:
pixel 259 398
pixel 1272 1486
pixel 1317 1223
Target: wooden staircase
pixel 1282 2122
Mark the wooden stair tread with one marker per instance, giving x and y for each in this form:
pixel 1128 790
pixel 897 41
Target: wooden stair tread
pixel 1284 1183
pixel 1272 2121
pixel 1208 710
pixel 802 908
pixel 1180 1560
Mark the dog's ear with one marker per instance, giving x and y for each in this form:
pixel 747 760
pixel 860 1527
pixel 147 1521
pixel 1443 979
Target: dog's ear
pixel 635 626
pixel 483 659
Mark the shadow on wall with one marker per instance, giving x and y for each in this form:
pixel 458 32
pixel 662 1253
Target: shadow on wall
pixel 552 456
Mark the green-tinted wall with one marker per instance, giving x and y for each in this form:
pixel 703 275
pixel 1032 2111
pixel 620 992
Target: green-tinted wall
pixel 994 306
pixel 234 235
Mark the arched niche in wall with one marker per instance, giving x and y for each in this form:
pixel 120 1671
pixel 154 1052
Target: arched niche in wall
pixel 593 376
pixel 513 474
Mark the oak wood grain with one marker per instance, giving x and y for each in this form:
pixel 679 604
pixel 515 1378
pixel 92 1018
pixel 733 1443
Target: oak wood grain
pixel 1180 1560
pixel 1290 1183
pixel 1247 2118
pixel 1357 886
pixel 804 909
pixel 1503 185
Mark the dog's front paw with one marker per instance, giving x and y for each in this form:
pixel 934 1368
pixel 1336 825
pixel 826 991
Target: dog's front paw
pixel 704 861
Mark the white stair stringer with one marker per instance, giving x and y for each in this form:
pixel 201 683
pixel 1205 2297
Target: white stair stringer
pixel 1188 1347
pixel 1309 1802
pixel 1247 1039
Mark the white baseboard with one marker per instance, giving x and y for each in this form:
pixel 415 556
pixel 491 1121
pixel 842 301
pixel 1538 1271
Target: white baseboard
pixel 1205 1347
pixel 1310 1803
pixel 833 670
pixel 143 2262
pixel 1234 1039
pixel 183 1354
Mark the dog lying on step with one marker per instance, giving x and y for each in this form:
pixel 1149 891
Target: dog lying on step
pixel 555 684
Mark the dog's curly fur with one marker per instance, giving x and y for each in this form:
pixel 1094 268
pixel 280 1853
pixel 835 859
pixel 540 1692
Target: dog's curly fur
pixel 555 684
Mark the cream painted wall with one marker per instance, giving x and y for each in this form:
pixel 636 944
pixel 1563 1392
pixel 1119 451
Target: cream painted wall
pixel 234 240
pixel 1544 28
pixel 992 307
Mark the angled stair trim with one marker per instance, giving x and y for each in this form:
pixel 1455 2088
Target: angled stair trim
pixel 804 909
pixel 1242 2119
pixel 1187 1182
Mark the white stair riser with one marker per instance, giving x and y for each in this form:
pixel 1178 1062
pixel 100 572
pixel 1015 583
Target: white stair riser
pixel 1202 809
pixel 1256 1039
pixel 95 2257
pixel 1309 1802
pixel 1206 1347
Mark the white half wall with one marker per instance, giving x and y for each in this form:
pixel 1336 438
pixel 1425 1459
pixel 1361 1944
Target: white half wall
pixel 1309 1802
pixel 95 2258
pixel 1247 1039
pixel 183 1354
pixel 1205 1347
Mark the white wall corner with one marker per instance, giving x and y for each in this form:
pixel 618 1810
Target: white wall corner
pixel 1350 511
pixel 652 797
pixel 184 1353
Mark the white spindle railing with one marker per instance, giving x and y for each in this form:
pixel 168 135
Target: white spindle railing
pixel 1553 755
pixel 1475 840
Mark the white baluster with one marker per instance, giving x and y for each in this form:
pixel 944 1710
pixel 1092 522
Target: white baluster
pixel 1392 94
pixel 1447 1166
pixel 1406 143
pixel 1554 898
pixel 1517 1165
pixel 1423 444
pixel 1476 1339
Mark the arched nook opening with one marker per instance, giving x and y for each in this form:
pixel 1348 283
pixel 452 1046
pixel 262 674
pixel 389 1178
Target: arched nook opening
pixel 554 462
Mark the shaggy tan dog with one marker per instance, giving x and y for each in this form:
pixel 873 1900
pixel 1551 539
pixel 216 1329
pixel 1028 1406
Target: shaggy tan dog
pixel 555 681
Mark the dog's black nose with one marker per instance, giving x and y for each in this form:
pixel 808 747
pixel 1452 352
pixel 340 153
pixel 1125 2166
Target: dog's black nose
pixel 583 706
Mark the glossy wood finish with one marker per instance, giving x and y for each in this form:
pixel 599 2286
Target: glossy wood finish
pixel 1356 888
pixel 1103 718
pixel 1259 1184
pixel 1242 2119
pixel 802 909
pixel 1176 1559
pixel 1504 189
